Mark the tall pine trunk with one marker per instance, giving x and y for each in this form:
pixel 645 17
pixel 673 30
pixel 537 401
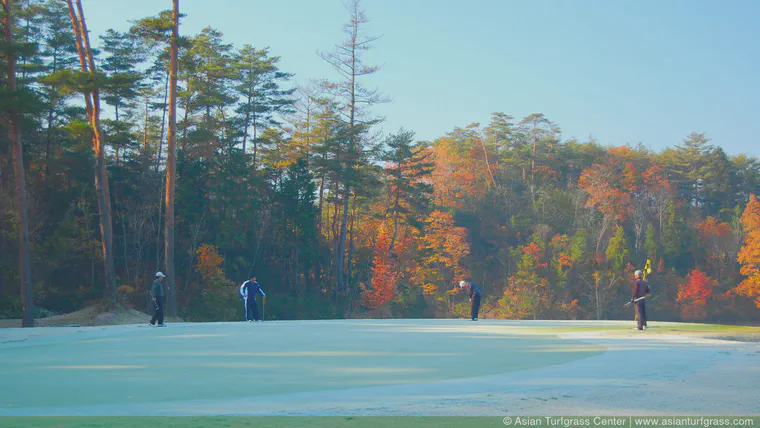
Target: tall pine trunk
pixel 49 133
pixel 14 135
pixel 92 103
pixel 341 254
pixel 171 166
pixel 146 122
pixel 340 257
pixel 395 223
pixel 163 123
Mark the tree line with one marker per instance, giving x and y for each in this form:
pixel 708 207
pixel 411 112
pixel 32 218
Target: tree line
pixel 159 150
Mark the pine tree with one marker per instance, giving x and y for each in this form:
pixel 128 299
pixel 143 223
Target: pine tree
pixel 208 70
pixel 258 81
pixel 16 98
pixel 674 240
pixel 407 169
pixel 171 149
pixel 92 103
pixel 59 53
pixel 120 89
pixel 354 99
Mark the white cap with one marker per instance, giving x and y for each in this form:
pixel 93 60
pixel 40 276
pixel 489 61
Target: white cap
pixel 637 274
pixel 461 284
pixel 160 274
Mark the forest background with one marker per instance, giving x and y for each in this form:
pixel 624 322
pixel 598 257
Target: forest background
pixel 297 186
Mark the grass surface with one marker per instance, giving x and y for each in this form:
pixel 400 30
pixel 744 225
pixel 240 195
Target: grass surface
pixel 353 422
pixel 118 367
pixel 220 360
pixel 655 328
pixel 258 422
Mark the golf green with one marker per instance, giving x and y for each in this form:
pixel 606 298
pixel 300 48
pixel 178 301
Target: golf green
pixel 138 364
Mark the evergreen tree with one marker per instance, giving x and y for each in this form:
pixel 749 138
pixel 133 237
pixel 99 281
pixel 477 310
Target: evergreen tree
pixel 617 251
pixel 650 244
pixel 258 83
pixel 354 99
pixel 407 170
pixel 15 96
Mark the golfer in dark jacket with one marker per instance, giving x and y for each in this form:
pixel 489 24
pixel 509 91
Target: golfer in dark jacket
pixel 474 293
pixel 157 294
pixel 248 290
pixel 640 289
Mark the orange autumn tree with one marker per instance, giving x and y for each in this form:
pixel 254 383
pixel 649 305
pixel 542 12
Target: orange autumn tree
pixel 602 184
pixel 384 275
pixel 455 176
pixel 214 298
pixel 209 263
pixel 693 295
pixel 749 255
pixel 632 180
pixel 442 246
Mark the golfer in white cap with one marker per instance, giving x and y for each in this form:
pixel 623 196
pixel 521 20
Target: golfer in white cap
pixel 638 298
pixel 474 293
pixel 157 294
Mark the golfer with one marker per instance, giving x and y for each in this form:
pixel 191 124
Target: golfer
pixel 640 289
pixel 248 291
pixel 157 294
pixel 474 293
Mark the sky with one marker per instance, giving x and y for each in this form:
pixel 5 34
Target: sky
pixel 621 72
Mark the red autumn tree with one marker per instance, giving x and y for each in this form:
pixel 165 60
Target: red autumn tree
pixel 749 255
pixel 711 229
pixel 384 275
pixel 693 295
pixel 603 187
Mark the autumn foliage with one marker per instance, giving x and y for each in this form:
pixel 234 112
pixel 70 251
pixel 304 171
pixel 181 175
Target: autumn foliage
pixel 337 216
pixel 527 293
pixel 605 191
pixel 384 274
pixel 562 258
pixel 209 262
pixel 455 177
pixel 693 295
pixel 443 246
pixel 749 255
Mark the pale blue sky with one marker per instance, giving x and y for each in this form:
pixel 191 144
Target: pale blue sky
pixel 623 72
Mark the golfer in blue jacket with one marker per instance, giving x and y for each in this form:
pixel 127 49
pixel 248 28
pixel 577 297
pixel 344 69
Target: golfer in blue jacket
pixel 248 291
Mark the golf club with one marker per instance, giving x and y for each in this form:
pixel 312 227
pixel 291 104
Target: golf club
pixel 640 298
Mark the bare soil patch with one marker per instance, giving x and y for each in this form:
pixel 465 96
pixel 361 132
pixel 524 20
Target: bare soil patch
pixel 90 316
